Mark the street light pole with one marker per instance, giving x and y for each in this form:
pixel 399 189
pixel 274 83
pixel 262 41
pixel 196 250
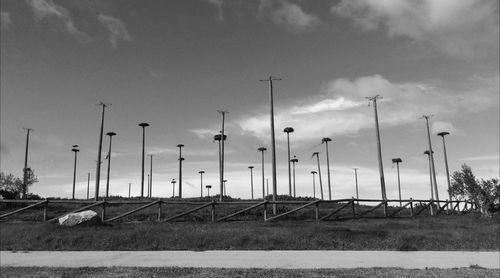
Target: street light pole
pixel 319 175
pixel 208 189
pixel 143 125
pixel 180 169
pixel 314 183
pixel 431 156
pixel 88 185
pixel 294 160
pixel 326 140
pixel 443 134
pixel 25 170
pixel 289 130
pixel 262 150
pixel 201 183
pixel 75 150
pixel 251 179
pixel 397 161
pixel 151 176
pixel 224 183
pixel 356 179
pixel 110 134
pixel 173 188
pixel 273 140
pixel 223 137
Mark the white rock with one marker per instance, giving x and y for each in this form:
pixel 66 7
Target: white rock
pixel 87 217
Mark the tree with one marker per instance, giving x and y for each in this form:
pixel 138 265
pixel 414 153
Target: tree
pixel 484 193
pixel 11 186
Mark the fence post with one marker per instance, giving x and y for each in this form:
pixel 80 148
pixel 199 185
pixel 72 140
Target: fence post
pixel 385 208
pixel 265 211
pixel 45 210
pixel 411 208
pixel 159 211
pixel 353 208
pixel 431 207
pixel 317 211
pixel 213 211
pixel 103 212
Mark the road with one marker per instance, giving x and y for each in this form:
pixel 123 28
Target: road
pixel 252 259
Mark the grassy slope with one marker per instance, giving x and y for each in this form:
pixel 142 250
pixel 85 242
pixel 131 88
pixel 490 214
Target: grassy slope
pixel 426 233
pixel 209 272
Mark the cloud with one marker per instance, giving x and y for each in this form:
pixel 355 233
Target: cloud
pixel 5 20
pixel 289 15
pixel 218 4
pixel 116 28
pixel 463 29
pixel 341 107
pixel 480 158
pixel 46 9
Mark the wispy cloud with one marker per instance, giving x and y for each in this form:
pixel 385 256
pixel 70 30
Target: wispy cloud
pixel 45 9
pixel 462 29
pixel 116 28
pixel 218 4
pixel 341 108
pixel 480 158
pixel 5 20
pixel 289 15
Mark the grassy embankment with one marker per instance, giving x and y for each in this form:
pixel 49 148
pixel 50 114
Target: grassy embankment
pixel 464 232
pixel 260 273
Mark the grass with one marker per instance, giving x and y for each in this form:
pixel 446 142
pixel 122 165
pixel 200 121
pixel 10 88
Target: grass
pixel 466 232
pixel 212 272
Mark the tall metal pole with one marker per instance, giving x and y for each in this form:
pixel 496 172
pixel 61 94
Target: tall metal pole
pixel 273 140
pixel 251 179
pixel 151 176
pixel 326 140
pixel 314 184
pixel 356 179
pixel 99 151
pixel 173 188
pixel 430 178
pixel 294 160
pixel 289 130
pixel 129 187
pixel 262 150
pixel 443 134
pixel 222 152
pixel 110 134
pixel 25 170
pixel 75 150
pixel 88 185
pixel 397 161
pixel 143 125
pixel 201 183
pixel 224 181
pixel 180 169
pixel 147 191
pixel 319 175
pixel 431 155
pixel 379 148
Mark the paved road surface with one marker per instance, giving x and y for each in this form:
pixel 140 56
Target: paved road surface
pixel 252 259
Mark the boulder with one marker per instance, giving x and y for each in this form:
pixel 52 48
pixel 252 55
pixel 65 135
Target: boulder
pixel 83 218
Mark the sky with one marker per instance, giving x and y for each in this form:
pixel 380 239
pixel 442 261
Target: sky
pixel 173 64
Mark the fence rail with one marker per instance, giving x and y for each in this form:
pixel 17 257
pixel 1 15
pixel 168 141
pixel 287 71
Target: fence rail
pixel 332 209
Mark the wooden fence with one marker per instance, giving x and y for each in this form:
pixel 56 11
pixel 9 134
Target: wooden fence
pixel 334 210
